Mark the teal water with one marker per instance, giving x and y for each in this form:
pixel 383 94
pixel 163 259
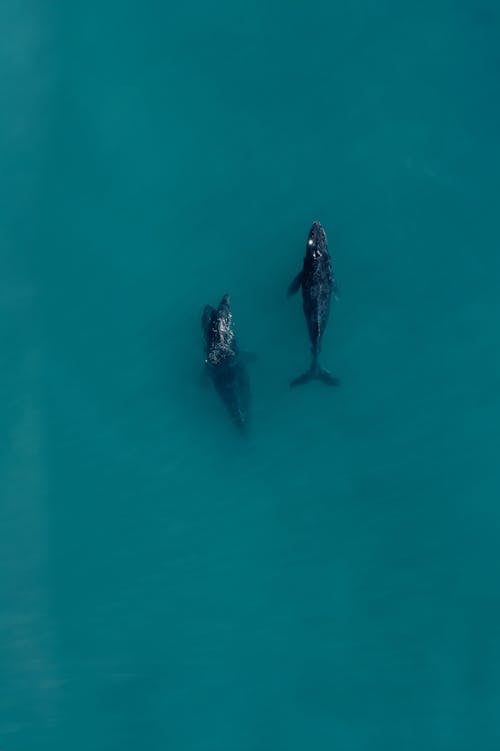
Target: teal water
pixel 333 582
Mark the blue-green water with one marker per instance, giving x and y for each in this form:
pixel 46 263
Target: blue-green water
pixel 334 582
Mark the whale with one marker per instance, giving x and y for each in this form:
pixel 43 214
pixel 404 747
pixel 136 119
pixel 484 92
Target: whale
pixel 225 364
pixel 318 284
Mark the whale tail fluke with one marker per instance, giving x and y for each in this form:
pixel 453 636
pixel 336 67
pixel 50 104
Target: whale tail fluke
pixel 320 374
pixel 316 373
pixel 295 285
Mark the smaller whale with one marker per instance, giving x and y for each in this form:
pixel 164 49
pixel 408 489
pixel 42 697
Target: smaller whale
pixel 318 285
pixel 225 363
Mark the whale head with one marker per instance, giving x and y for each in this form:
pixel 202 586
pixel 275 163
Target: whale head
pixel 316 242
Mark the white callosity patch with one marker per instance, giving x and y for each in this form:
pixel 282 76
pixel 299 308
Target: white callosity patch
pixel 225 339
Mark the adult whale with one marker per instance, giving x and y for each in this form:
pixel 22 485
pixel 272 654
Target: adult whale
pixel 318 285
pixel 225 363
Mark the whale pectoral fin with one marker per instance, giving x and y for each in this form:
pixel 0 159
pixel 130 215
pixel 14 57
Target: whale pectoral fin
pixel 295 285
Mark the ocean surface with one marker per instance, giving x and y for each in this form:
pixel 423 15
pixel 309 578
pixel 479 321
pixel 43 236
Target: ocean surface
pixel 333 582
